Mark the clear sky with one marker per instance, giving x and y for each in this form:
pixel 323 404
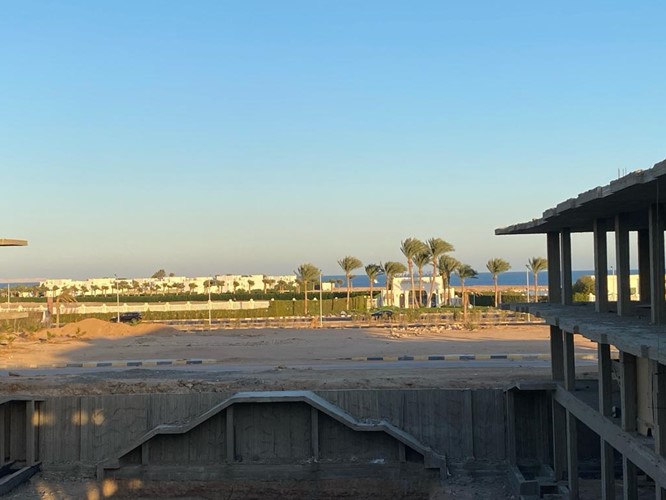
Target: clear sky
pixel 234 137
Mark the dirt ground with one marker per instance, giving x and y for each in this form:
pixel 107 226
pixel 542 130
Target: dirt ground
pixel 269 359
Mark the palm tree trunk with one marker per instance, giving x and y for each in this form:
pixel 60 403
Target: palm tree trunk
pixel 371 286
pixel 305 291
pixel 432 282
pixel 496 294
pixel 411 278
pixel 348 290
pixel 464 299
pixel 536 288
pixel 420 296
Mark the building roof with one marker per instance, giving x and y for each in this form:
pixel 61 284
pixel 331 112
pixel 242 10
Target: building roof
pixel 631 194
pixel 7 242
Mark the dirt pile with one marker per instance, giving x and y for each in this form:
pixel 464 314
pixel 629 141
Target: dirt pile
pixel 92 328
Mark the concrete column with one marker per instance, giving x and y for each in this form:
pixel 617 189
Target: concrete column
pixel 314 434
pixel 656 236
pixel 622 256
pixel 3 425
pixel 559 440
pixel 511 426
pixel 644 265
pixel 565 255
pixel 569 362
pixel 554 274
pixel 231 439
pixel 600 266
pixel 605 408
pixel 557 353
pixel 629 414
pixel 659 402
pixel 29 432
pixel 468 417
pixel 572 455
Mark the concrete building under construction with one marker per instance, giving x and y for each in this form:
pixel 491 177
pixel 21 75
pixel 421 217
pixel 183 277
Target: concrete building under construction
pixel 627 408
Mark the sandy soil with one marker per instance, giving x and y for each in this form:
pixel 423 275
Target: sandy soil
pixel 269 359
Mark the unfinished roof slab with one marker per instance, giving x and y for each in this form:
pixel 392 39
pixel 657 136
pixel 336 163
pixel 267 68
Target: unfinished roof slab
pixel 634 192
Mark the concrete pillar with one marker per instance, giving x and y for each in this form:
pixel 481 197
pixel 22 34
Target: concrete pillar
pixel 600 266
pixel 3 425
pixel 656 236
pixel 557 353
pixel 629 414
pixel 659 402
pixel 565 256
pixel 605 408
pixel 622 256
pixel 559 440
pixel 644 265
pixel 231 439
pixel 314 432
pixel 569 362
pixel 554 274
pixel 572 455
pixel 511 426
pixel 29 432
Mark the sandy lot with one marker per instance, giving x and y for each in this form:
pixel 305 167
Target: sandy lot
pixel 272 359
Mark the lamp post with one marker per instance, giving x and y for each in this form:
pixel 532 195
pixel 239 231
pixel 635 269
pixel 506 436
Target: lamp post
pixel 210 306
pixel 117 299
pixel 321 304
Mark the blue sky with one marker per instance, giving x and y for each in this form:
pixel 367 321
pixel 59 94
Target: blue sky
pixel 234 137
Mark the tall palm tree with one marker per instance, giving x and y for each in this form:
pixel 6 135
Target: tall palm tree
pixel 465 271
pixel 410 248
pixel 348 264
pixel 307 273
pixel 495 267
pixel 250 284
pixel 447 265
pixel 421 260
pixel 536 265
pixel 437 248
pixel 391 269
pixel 192 287
pixel 373 271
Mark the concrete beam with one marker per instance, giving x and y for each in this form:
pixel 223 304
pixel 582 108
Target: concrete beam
pixel 628 391
pixel 314 432
pixel 230 435
pixel 572 454
pixel 8 242
pixel 559 444
pixel 624 442
pixel 29 433
pixel 569 362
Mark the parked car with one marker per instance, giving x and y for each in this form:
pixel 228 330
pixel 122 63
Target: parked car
pixel 128 317
pixel 382 314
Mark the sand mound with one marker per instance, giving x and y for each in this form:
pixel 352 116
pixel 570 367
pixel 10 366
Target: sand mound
pixel 95 328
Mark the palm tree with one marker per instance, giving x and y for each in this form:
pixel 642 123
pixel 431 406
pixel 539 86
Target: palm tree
pixel 236 284
pixel 307 273
pixel 421 259
pixel 104 288
pixel 495 267
pixel 65 296
pixel 536 265
pixel 465 271
pixel 250 284
pixel 348 264
pixel 373 271
pixel 437 247
pixel 192 287
pixel 390 269
pixel 447 265
pixel 410 248
pixel 281 285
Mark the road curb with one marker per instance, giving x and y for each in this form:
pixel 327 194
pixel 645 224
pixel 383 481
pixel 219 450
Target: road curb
pixel 152 363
